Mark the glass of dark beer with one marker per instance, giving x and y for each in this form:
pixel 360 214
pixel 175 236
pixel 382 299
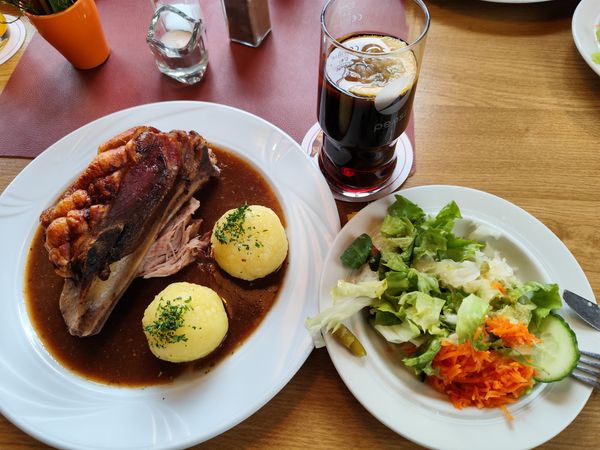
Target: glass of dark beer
pixel 371 54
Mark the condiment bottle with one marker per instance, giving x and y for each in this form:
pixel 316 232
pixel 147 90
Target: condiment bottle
pixel 248 20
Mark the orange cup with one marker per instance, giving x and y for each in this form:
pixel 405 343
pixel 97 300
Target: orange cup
pixel 76 33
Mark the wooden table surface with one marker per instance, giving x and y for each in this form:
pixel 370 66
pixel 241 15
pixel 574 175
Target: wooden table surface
pixel 505 104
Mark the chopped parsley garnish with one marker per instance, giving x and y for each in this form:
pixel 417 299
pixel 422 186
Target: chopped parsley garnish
pixel 168 319
pixel 234 230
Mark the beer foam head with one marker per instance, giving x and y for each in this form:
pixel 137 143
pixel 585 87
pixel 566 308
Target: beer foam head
pixel 385 76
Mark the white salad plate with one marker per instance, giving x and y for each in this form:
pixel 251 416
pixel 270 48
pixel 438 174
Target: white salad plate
pixel 15 33
pixel 64 410
pixel 583 26
pixel 413 409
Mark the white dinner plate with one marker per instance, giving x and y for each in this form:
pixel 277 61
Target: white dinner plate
pixel 415 410
pixel 583 26
pixel 15 35
pixel 62 409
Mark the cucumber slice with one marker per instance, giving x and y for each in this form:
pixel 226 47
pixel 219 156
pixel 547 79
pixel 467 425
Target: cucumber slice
pixel 558 354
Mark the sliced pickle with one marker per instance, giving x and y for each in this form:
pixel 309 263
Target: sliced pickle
pixel 345 337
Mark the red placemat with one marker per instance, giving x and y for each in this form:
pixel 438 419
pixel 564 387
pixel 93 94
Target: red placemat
pixel 46 98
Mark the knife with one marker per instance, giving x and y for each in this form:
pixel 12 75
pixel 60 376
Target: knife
pixel 588 311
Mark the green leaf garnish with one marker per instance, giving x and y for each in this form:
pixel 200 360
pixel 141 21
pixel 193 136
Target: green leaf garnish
pixel 233 228
pixel 168 319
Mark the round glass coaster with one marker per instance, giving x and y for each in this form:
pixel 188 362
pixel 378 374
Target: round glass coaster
pixel 311 144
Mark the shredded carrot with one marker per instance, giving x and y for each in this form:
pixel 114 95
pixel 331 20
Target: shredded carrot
pixel 506 412
pixel 498 286
pixel 484 379
pixel 512 334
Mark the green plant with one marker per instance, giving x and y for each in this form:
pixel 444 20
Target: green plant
pixel 39 7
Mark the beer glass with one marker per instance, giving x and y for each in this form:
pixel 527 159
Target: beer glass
pixel 369 67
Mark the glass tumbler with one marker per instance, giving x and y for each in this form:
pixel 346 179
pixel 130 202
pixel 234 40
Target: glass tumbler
pixel 177 42
pixel 371 55
pixel 190 7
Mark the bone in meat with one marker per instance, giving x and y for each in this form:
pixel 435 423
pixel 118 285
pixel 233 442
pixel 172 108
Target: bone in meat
pixel 100 260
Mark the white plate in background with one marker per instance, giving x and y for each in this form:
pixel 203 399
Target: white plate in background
pixel 15 33
pixel 583 26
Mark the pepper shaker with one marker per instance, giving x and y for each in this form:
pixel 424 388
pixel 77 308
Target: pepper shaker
pixel 248 20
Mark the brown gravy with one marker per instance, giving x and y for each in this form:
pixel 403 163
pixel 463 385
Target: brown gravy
pixel 119 354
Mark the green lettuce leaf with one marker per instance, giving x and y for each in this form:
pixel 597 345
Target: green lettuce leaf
pixel 435 238
pixel 397 334
pixel 446 217
pixel 459 249
pixel 393 261
pixel 451 273
pixel 421 363
pixel 403 243
pixel 545 297
pixel 410 280
pixel 423 310
pixel 424 283
pixel 403 207
pixel 384 312
pixel 397 226
pixel 453 299
pixel 385 318
pixel 470 316
pixel 372 289
pixel 429 242
pixel 397 282
pixel 331 317
pixel 391 305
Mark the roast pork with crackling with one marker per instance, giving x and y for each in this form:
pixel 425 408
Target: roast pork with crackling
pixel 100 230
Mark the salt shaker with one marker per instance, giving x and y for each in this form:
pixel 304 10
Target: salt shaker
pixel 248 20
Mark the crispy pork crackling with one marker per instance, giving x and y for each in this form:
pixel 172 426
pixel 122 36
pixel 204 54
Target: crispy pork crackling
pixel 100 231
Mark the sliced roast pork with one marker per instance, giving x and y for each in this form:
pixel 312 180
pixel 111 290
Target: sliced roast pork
pixel 99 232
pixel 177 245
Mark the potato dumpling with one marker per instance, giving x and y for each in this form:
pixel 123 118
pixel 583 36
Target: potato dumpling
pixel 185 321
pixel 249 242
